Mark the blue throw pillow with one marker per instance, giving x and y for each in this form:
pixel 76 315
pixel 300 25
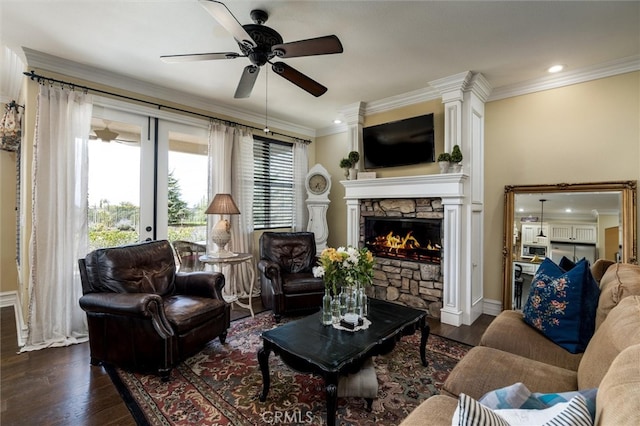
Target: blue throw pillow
pixel 566 264
pixel 519 396
pixel 562 305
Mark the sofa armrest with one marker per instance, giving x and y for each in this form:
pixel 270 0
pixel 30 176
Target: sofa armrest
pixel 203 284
pixel 271 271
pixel 437 410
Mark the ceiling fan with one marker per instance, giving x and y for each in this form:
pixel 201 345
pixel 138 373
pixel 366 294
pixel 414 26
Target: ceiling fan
pixel 107 135
pixel 261 44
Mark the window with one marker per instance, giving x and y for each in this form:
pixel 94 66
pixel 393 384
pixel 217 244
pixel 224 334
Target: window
pixel 273 196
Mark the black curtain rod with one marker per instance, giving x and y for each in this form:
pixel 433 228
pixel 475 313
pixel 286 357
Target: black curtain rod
pixel 42 79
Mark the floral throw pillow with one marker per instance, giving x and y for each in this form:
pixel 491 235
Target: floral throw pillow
pixel 562 305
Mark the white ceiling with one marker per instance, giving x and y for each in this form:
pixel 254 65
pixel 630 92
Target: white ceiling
pixel 390 47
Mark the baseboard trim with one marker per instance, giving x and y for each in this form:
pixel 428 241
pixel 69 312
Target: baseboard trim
pixel 10 299
pixel 491 307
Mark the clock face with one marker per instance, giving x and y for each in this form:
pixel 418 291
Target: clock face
pixel 317 184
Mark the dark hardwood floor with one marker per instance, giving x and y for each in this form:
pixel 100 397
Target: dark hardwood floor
pixel 57 386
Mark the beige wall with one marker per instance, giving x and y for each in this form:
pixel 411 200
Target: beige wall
pixel 586 132
pixel 8 270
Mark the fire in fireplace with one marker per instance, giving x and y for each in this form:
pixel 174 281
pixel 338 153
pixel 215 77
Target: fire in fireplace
pixel 404 238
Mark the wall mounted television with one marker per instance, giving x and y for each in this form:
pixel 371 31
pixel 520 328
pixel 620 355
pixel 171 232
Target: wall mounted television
pixel 399 143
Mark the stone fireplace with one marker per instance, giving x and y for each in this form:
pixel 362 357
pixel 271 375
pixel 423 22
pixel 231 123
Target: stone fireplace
pixel 405 236
pixel 459 278
pixel 443 287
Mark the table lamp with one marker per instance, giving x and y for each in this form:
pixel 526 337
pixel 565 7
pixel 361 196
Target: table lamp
pixel 222 204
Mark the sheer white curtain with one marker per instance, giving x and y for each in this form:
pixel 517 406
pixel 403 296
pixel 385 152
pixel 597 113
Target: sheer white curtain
pixel 231 171
pixel 242 192
pixel 300 169
pixel 59 233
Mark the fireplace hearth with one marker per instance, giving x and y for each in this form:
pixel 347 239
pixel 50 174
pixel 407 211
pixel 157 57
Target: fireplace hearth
pixel 412 239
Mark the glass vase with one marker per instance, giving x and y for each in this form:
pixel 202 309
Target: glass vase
pixel 335 310
pixel 364 303
pixel 351 300
pixel 327 316
pixel 343 300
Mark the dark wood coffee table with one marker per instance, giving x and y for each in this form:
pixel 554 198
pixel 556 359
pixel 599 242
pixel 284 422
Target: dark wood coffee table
pixel 307 346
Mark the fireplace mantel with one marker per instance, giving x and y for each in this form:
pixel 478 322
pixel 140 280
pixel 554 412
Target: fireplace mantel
pixel 449 187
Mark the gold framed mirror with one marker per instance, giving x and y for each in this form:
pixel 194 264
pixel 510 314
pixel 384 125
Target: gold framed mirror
pixel 548 220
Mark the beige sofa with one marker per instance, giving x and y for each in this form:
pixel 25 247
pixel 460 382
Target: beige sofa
pixel 510 352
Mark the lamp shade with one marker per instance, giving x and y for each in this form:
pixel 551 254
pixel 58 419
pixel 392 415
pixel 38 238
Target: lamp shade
pixel 222 204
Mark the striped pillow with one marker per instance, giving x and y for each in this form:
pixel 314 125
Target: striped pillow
pixel 471 413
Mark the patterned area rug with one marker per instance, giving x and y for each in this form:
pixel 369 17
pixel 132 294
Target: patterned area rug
pixel 220 385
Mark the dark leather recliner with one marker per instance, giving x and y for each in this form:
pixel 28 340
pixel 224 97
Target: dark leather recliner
pixel 286 278
pixel 142 315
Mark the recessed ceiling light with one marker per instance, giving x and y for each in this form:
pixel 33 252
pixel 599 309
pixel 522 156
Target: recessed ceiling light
pixel 568 210
pixel 337 121
pixel 555 68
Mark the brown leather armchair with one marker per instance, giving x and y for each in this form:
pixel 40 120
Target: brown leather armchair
pixel 144 316
pixel 286 278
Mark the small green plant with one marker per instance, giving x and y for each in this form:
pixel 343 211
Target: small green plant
pixel 445 156
pixel 354 157
pixel 345 163
pixel 456 154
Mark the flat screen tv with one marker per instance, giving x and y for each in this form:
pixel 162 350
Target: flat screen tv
pixel 399 143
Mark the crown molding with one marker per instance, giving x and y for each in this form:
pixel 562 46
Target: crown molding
pixel 45 61
pixel 425 94
pixel 579 75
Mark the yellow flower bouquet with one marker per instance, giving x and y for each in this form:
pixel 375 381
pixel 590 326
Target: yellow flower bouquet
pixel 345 266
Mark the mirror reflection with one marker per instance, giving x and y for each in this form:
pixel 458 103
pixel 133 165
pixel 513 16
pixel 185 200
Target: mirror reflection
pixel 589 221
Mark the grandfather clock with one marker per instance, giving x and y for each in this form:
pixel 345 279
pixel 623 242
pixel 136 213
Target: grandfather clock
pixel 318 184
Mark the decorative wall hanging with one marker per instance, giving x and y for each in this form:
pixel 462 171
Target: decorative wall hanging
pixel 11 127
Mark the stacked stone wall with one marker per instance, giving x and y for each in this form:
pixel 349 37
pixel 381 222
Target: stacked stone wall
pixel 409 283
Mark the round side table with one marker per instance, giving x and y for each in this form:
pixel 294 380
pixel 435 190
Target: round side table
pixel 239 258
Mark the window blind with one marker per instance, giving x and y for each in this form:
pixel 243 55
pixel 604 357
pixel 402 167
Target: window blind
pixel 273 196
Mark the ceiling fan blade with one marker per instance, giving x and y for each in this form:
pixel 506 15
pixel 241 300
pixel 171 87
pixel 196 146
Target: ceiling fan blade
pixel 248 79
pixel 199 57
pixel 314 46
pixel 223 15
pixel 299 79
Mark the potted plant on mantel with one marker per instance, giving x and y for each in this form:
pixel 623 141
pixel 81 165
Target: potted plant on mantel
pixel 456 159
pixel 443 161
pixel 345 164
pixel 354 157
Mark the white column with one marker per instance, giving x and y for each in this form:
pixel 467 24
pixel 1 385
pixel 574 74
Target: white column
pixel 452 271
pixel 354 118
pixel 353 222
pixel 463 96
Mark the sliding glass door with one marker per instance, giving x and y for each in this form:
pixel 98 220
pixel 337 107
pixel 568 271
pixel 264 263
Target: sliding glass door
pixel 186 186
pixel 147 179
